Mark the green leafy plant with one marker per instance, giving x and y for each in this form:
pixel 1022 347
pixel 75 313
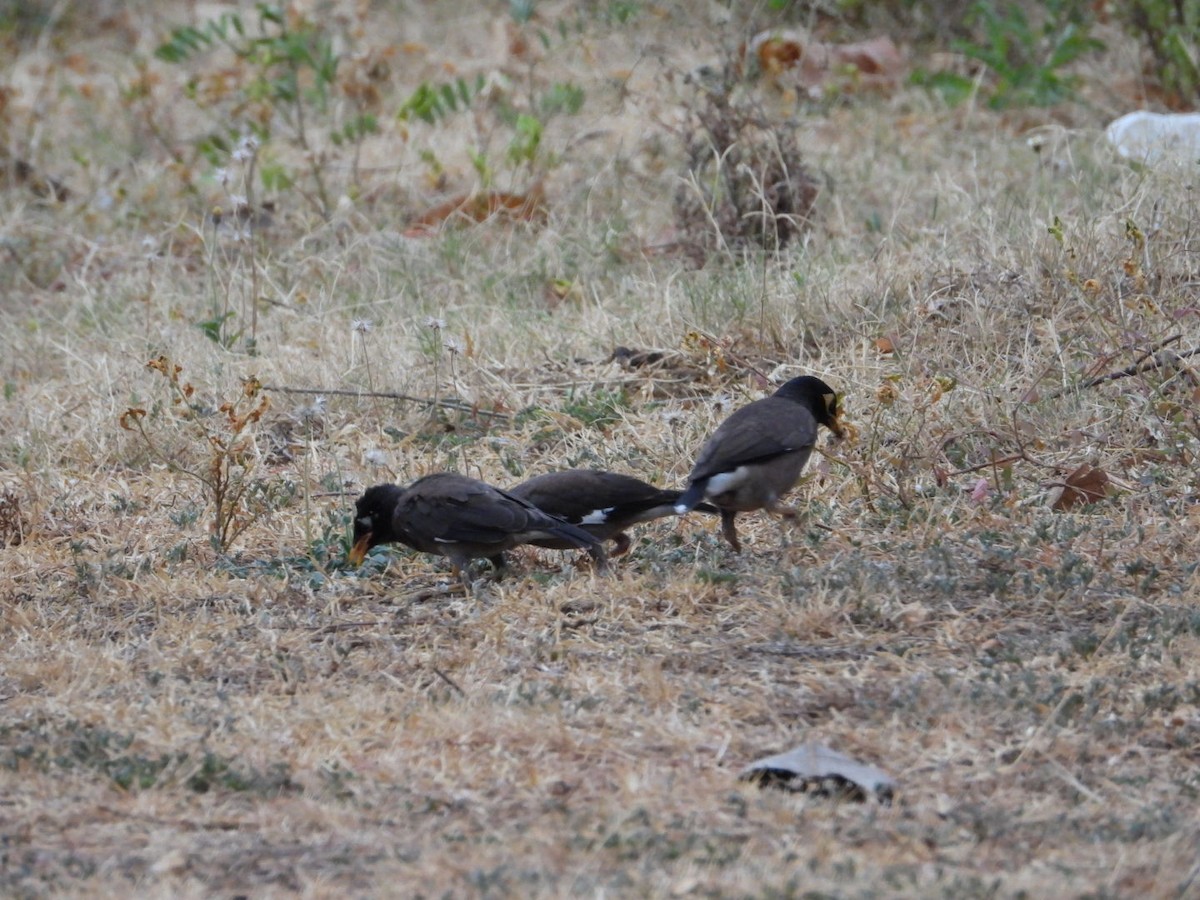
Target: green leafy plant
pixel 1025 55
pixel 226 468
pixel 430 102
pixel 1171 31
pixel 597 410
pixel 286 76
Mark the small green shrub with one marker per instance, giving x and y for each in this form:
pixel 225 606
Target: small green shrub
pixel 1171 32
pixel 285 78
pixel 1024 53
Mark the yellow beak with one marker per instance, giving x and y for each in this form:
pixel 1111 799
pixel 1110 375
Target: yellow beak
pixel 844 430
pixel 359 551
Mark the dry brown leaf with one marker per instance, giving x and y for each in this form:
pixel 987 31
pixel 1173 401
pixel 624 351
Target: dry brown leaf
pixel 874 63
pixel 1087 484
pixel 480 207
pixel 885 346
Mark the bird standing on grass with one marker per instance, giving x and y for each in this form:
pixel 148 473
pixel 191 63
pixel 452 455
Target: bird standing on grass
pixel 757 454
pixel 604 504
pixel 459 518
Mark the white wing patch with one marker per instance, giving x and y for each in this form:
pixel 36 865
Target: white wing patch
pixel 725 481
pixel 596 516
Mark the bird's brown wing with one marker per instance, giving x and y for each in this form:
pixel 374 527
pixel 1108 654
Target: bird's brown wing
pixel 461 511
pixel 755 433
pixel 578 493
pixel 455 509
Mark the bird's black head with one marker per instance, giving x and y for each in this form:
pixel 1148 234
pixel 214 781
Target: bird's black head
pixel 373 513
pixel 818 397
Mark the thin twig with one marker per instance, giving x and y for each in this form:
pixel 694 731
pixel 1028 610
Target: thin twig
pixel 1065 774
pixel 390 395
pixel 1148 361
pixel 345 626
pixel 1004 460
pixel 450 681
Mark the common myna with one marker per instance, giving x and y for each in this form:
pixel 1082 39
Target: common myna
pixel 757 454
pixel 459 518
pixel 602 503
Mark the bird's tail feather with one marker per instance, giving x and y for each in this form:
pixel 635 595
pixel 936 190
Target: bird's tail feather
pixel 693 495
pixel 577 536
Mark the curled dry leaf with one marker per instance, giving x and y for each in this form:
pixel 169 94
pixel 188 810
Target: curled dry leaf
pixel 1086 484
pixel 820 770
pixel 481 207
pixel 875 63
pixel 980 492
pixel 131 415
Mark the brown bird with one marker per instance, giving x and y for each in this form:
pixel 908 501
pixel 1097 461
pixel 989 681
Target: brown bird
pixel 459 518
pixel 757 454
pixel 604 504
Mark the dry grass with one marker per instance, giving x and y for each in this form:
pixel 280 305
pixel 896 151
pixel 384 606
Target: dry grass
pixel 178 722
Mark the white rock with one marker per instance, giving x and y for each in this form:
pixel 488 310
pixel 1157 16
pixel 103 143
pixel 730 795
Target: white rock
pixel 1148 137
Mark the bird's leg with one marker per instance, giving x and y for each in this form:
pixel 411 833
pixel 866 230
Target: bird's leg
pixel 729 529
pixel 596 552
pixel 464 576
pixel 498 562
pixel 785 513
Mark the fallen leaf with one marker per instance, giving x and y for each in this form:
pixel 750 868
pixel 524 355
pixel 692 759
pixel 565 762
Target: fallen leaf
pixel 1087 484
pixel 132 414
pixel 822 771
pixel 480 207
pixel 979 494
pixel 875 63
pixel 885 346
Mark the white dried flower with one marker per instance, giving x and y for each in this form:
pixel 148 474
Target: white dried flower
pixel 375 457
pixel 222 176
pixel 435 323
pixel 454 345
pixel 362 326
pixel 313 410
pixel 238 201
pixel 671 416
pixel 245 149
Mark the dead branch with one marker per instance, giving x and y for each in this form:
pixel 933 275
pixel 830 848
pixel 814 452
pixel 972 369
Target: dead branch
pixel 460 405
pixel 1151 359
